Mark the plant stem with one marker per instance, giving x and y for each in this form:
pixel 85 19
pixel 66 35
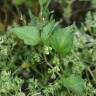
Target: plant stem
pixel 50 65
pixel 62 63
pixel 91 74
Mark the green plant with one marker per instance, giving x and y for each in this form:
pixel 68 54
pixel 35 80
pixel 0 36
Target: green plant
pixel 8 85
pixel 41 58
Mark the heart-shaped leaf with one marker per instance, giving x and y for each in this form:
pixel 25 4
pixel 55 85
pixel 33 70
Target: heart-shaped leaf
pixel 29 34
pixel 75 84
pixel 62 40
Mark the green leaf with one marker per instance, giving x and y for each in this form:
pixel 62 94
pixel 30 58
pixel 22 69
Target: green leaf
pixel 94 3
pixel 30 3
pixel 29 34
pixel 62 40
pixel 47 32
pixel 75 84
pixel 18 2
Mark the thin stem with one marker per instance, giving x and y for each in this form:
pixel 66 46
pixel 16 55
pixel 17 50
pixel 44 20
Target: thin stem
pixel 39 73
pixel 50 65
pixel 91 74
